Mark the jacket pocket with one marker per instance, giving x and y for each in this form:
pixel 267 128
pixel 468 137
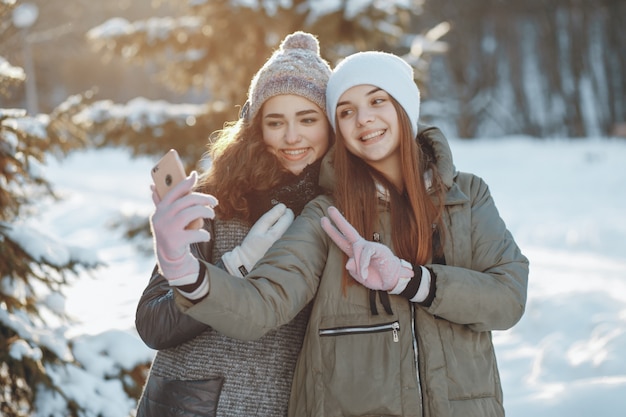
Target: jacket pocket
pixel 163 397
pixel 361 369
pixel 470 362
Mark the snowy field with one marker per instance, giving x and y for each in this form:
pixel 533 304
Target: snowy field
pixel 563 200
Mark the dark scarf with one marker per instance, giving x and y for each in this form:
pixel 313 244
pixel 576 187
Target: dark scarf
pixel 294 191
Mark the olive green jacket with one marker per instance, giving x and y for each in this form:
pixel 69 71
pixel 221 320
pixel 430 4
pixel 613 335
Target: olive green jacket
pixel 435 361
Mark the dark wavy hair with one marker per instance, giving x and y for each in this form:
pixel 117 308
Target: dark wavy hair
pixel 239 164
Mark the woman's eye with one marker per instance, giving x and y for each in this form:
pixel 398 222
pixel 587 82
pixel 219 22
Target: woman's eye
pixel 344 113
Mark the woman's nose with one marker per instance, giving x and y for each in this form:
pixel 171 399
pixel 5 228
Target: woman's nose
pixel 364 117
pixel 292 135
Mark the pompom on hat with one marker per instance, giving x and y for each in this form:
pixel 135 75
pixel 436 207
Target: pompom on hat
pixel 296 67
pixel 380 69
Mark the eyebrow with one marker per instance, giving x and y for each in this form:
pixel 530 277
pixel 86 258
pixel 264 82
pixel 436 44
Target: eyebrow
pixel 300 113
pixel 373 91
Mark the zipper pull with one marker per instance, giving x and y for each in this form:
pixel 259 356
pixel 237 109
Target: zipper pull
pixel 395 327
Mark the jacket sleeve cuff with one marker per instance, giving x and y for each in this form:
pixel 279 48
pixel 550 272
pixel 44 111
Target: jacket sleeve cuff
pixel 418 288
pixel 199 289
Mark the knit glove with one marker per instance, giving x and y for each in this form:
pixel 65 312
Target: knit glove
pixel 370 263
pixel 172 214
pixel 267 230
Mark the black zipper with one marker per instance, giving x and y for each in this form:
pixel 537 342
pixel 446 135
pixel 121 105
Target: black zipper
pixel 394 327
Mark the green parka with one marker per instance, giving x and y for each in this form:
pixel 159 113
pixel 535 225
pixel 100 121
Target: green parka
pixel 362 359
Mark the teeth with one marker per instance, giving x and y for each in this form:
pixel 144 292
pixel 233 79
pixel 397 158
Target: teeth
pixel 373 135
pixel 294 151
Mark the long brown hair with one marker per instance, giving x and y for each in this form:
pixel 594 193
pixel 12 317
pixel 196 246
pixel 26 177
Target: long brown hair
pixel 414 213
pixel 240 163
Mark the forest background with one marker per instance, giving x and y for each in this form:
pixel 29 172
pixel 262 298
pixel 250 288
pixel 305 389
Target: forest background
pixel 534 67
pixel 146 75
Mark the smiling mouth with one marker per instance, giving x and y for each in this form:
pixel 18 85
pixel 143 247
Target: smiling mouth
pixel 294 153
pixel 372 135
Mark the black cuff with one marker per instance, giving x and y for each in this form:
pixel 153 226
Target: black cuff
pixel 414 284
pixel 189 288
pixel 432 290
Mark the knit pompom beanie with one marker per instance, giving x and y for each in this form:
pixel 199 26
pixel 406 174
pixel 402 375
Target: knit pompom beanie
pixel 380 69
pixel 296 67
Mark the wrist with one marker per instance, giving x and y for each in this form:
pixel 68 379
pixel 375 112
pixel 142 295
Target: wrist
pixel 416 288
pixel 234 263
pixel 197 289
pixel 180 271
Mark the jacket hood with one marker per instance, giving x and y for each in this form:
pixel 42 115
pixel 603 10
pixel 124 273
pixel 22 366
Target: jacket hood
pixel 431 135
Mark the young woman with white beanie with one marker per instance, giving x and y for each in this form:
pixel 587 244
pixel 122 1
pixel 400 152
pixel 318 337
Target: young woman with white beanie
pixel 407 261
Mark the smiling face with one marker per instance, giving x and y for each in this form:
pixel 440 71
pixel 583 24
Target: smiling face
pixel 369 125
pixel 295 130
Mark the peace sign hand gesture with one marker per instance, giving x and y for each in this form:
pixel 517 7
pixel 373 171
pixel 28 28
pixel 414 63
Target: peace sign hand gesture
pixel 370 263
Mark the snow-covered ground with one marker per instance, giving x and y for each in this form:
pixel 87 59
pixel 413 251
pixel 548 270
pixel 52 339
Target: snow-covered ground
pixel 564 201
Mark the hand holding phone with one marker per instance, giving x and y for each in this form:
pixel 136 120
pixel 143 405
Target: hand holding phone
pixel 168 172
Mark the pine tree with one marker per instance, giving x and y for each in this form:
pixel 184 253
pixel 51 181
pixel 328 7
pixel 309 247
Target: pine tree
pixel 34 267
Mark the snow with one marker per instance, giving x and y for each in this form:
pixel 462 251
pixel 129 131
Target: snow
pixel 9 71
pixel 563 200
pixel 38 245
pixel 139 111
pixel 34 126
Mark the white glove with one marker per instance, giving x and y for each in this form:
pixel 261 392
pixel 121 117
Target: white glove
pixel 267 230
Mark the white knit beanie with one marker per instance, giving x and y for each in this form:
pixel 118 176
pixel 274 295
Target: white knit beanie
pixel 296 67
pixel 380 69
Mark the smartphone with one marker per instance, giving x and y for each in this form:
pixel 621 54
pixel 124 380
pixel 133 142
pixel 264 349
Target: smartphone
pixel 168 172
